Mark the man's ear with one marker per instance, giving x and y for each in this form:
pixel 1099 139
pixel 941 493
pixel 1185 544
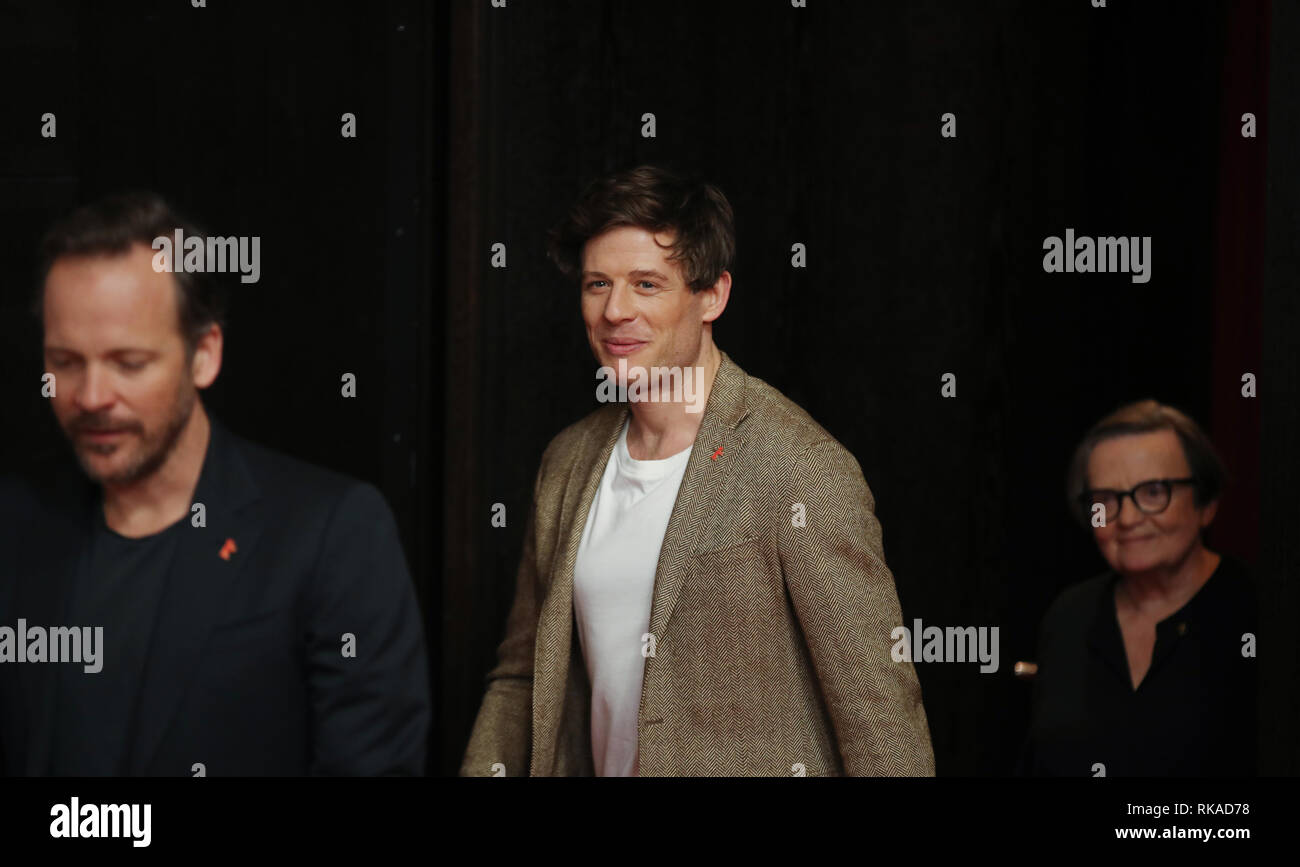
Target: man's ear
pixel 717 296
pixel 206 363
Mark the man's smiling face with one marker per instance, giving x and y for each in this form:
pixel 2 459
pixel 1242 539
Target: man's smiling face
pixel 636 304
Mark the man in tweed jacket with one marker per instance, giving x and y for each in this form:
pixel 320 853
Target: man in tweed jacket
pixel 759 644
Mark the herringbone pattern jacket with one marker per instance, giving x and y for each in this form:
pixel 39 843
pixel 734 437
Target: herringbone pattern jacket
pixel 772 640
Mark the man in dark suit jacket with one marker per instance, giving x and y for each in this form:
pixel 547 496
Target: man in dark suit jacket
pixel 236 612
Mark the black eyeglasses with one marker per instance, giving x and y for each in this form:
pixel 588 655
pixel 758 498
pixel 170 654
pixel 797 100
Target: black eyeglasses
pixel 1151 497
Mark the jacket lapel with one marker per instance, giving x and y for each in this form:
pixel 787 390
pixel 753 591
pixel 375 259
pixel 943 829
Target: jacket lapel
pixel 705 473
pixel 196 584
pixel 555 622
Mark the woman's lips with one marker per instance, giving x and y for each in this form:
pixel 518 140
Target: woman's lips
pixel 623 348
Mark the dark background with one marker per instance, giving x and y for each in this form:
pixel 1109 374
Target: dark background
pixel 479 125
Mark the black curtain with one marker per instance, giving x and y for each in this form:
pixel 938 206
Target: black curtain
pixel 1280 441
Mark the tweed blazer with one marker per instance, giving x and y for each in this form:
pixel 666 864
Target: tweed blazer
pixel 771 614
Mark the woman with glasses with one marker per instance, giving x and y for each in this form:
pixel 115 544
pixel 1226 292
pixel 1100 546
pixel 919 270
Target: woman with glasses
pixel 1149 668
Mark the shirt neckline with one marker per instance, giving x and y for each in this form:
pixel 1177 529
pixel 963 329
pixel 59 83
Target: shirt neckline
pixel 651 469
pixel 101 526
pixel 1108 639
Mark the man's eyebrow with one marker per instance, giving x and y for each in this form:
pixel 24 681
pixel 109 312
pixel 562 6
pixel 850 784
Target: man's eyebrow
pixel 118 351
pixel 637 274
pixel 642 273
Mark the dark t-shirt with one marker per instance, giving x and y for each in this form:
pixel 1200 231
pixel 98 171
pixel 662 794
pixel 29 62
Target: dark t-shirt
pixel 1193 714
pixel 119 586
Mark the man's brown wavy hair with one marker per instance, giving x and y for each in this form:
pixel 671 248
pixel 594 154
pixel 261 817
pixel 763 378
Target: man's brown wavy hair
pixel 656 199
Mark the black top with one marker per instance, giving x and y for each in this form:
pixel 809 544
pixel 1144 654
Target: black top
pixel 118 587
pixel 1193 714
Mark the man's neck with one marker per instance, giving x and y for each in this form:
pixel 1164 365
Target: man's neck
pixel 163 497
pixel 662 429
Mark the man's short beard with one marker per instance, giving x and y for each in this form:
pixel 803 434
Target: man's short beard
pixel 154 450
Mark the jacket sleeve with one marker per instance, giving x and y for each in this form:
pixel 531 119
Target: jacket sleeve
pixel 501 741
pixel 847 605
pixel 370 707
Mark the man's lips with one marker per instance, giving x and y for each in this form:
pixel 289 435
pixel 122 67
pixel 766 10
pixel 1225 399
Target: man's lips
pixel 623 347
pixel 101 435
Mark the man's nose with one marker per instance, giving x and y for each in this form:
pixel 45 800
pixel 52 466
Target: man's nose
pixel 95 390
pixel 619 305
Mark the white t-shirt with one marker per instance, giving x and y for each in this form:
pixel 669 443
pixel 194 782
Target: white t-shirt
pixel 613 587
